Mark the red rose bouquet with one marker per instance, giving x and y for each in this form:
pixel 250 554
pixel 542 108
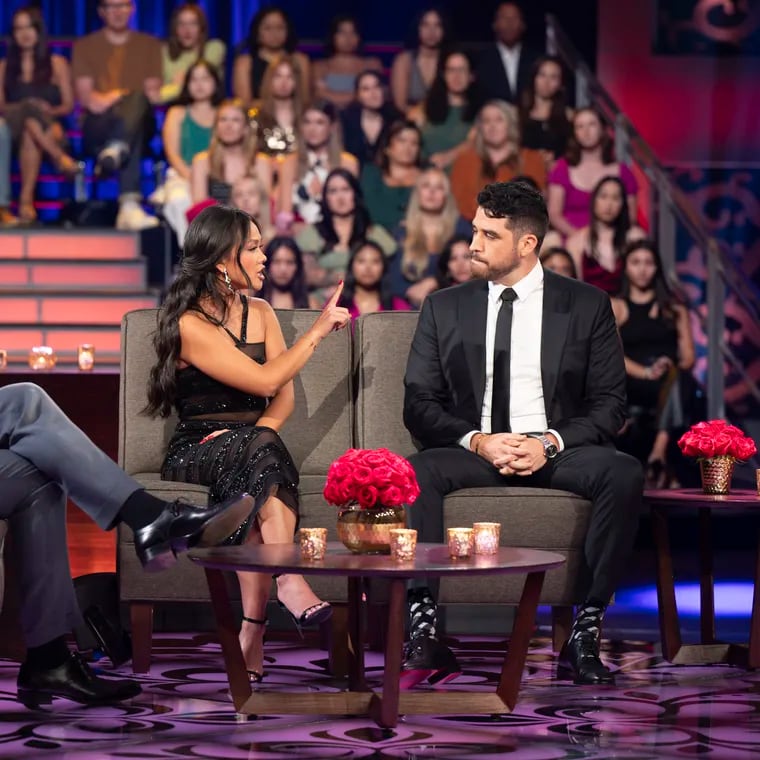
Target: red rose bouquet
pixel 372 478
pixel 716 438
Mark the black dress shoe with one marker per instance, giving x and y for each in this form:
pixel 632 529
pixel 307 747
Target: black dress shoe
pixel 73 680
pixel 182 526
pixel 579 662
pixel 427 658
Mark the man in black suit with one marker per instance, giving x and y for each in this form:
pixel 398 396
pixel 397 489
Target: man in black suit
pixel 505 66
pixel 516 378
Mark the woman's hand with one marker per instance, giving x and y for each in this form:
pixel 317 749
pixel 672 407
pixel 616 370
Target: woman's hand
pixel 333 317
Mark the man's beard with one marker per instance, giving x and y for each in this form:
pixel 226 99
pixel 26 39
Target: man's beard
pixel 482 271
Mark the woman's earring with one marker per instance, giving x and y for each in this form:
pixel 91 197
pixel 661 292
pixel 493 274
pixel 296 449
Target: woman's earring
pixel 227 280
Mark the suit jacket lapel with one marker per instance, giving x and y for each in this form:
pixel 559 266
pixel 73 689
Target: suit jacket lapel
pixel 556 318
pixel 473 313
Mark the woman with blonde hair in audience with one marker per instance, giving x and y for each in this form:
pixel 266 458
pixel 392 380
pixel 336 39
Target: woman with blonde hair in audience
pixel 249 195
pixel 285 284
pixel 186 132
pixel 35 92
pixel 413 71
pixel 658 346
pixel 431 220
pixel 366 119
pixel 366 288
pixel 544 115
pixel 335 75
pixel 345 223
pixel 270 36
pixel 188 42
pixel 232 154
pixel 495 156
pixel 387 184
pixel 597 249
pixel 303 173
pixel 589 158
pixel 447 114
pixel 282 102
pixel 455 262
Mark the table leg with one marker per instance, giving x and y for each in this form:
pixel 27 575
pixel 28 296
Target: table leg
pixel 670 634
pixel 234 663
pixel 706 579
pixel 384 711
pixel 753 655
pixel 356 636
pixel 517 650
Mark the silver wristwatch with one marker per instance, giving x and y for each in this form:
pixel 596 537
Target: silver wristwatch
pixel 550 450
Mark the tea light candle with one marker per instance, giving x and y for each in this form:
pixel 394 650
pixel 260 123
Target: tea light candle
pixel 460 542
pixel 3 359
pixel 313 542
pixel 86 356
pixel 403 543
pixel 42 358
pixel 486 537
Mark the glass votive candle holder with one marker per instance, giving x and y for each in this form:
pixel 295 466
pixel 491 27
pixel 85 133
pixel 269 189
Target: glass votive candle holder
pixel 486 537
pixel 86 356
pixel 757 480
pixel 313 542
pixel 42 358
pixel 403 543
pixel 460 542
pixel 3 359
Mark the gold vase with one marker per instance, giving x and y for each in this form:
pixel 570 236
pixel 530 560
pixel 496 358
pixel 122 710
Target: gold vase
pixel 368 531
pixel 716 474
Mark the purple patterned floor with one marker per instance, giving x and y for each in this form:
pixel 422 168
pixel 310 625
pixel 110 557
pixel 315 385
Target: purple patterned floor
pixel 655 711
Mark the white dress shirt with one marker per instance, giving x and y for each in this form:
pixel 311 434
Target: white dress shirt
pixel 527 411
pixel 510 57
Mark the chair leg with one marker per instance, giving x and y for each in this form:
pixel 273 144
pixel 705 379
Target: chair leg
pixel 338 641
pixel 562 622
pixel 141 618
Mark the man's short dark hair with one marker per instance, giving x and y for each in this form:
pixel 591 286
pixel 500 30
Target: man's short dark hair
pixel 522 206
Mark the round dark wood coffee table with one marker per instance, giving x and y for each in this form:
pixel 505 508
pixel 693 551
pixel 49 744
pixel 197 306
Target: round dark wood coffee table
pixel 709 651
pixel 431 561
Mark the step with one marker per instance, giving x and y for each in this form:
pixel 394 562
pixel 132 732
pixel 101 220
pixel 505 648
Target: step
pixel 82 274
pixel 58 308
pixel 70 245
pixel 17 340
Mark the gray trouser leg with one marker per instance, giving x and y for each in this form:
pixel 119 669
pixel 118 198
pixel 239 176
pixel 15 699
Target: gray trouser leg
pixel 5 165
pixel 34 427
pixel 35 507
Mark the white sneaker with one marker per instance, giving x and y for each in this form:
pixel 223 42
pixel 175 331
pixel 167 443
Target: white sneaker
pixel 132 217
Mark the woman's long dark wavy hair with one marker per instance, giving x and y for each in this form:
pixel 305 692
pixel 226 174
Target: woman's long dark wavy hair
pixel 412 41
pixel 215 232
pixel 387 137
pixel 620 225
pixel 665 298
pixel 297 286
pixel 252 41
pixel 43 63
pixel 335 23
pixel 325 226
pixel 574 151
pixel 349 285
pixel 186 99
pixel 558 122
pixel 436 103
pixel 442 276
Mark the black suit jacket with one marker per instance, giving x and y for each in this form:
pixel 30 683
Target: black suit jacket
pixel 492 76
pixel 582 367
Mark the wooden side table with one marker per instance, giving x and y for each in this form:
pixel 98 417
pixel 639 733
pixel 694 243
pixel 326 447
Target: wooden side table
pixel 709 651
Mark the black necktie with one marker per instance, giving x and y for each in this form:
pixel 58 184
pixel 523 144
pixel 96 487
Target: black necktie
pixel 501 351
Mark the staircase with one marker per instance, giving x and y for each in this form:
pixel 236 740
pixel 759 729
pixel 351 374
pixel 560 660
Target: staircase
pixel 63 288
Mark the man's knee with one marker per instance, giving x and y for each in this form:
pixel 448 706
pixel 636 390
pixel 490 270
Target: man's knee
pixel 627 472
pixel 28 395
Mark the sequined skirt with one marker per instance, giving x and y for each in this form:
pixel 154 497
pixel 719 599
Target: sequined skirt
pixel 246 457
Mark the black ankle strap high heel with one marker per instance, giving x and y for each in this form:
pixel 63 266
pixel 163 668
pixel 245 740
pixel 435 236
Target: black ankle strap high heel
pixel 253 675
pixel 313 615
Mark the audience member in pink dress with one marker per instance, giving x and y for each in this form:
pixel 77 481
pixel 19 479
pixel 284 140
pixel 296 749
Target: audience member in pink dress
pixel 366 289
pixel 597 249
pixel 590 157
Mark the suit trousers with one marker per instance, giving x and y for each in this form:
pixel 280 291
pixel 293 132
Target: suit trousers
pixel 43 458
pixel 611 480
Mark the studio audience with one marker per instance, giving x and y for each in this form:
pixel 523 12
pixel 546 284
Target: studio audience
pixel 455 262
pixel 285 284
pixel 558 260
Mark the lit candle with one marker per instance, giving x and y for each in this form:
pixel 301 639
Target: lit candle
pixel 486 537
pixel 460 542
pixel 42 358
pixel 86 356
pixel 313 542
pixel 403 543
pixel 757 477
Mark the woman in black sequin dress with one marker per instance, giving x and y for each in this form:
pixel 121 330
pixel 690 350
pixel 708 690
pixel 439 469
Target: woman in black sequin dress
pixel 222 362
